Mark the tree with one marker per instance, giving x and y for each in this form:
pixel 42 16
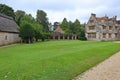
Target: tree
pixel 18 16
pixel 27 32
pixel 77 27
pixel 56 24
pixel 65 25
pixel 28 18
pixel 82 33
pixel 72 28
pixel 38 31
pixel 6 10
pixel 43 20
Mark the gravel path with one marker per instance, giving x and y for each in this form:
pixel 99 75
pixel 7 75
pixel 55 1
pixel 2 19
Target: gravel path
pixel 106 70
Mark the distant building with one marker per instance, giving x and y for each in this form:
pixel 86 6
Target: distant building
pixel 102 28
pixel 8 31
pixel 59 34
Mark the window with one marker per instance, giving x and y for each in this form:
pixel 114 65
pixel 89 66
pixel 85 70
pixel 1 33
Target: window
pixel 91 27
pixel 6 37
pixel 91 21
pixel 104 27
pixel 104 35
pixel 91 35
pixel 110 27
pixel 116 35
pixel 110 35
pixel 116 27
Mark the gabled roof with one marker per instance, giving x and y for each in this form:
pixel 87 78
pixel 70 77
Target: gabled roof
pixel 105 18
pixel 7 24
pixel 59 30
pixel 100 18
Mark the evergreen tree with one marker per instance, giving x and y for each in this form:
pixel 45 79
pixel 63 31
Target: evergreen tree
pixel 77 27
pixel 71 25
pixel 65 25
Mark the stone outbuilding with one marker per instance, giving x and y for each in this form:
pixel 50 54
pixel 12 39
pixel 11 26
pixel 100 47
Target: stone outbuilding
pixel 59 34
pixel 8 31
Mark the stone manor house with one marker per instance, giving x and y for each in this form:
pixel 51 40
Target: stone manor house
pixel 102 28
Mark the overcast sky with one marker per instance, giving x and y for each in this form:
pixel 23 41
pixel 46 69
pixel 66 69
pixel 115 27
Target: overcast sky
pixel 71 9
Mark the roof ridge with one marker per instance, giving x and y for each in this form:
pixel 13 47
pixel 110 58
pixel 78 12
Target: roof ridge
pixel 5 16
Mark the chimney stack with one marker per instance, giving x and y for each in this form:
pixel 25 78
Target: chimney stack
pixel 92 14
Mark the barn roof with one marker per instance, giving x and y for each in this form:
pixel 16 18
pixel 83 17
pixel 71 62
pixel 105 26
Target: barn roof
pixel 7 24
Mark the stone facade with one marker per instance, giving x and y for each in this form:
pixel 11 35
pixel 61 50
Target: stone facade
pixel 8 38
pixel 102 28
pixel 8 31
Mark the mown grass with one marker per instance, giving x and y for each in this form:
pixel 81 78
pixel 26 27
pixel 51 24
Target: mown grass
pixel 53 60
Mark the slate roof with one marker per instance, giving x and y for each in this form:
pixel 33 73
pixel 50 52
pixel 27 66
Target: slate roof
pixel 7 24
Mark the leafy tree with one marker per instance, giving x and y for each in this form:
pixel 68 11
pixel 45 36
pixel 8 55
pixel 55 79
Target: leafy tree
pixel 38 31
pixel 28 18
pixel 18 16
pixel 43 20
pixel 27 32
pixel 6 10
pixel 65 25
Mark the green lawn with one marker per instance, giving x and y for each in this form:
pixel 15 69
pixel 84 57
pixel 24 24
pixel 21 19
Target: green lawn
pixel 53 60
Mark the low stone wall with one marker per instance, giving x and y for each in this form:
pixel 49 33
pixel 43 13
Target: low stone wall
pixel 8 38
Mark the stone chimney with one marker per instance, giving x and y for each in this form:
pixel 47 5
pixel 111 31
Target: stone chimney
pixel 115 17
pixel 92 14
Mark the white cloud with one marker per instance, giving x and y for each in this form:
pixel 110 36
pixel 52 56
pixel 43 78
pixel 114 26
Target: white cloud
pixel 71 9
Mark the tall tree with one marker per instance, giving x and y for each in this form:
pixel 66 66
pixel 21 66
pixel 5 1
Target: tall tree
pixel 43 20
pixel 65 25
pixel 18 16
pixel 6 10
pixel 56 24
pixel 77 27
pixel 71 25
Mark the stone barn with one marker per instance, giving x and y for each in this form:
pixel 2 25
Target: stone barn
pixel 8 31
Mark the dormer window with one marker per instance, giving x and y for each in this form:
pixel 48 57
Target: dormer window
pixel 91 27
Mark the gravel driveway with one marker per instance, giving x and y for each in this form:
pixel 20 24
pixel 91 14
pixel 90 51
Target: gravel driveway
pixel 106 70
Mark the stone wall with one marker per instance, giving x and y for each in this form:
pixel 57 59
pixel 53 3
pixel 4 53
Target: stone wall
pixel 8 38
